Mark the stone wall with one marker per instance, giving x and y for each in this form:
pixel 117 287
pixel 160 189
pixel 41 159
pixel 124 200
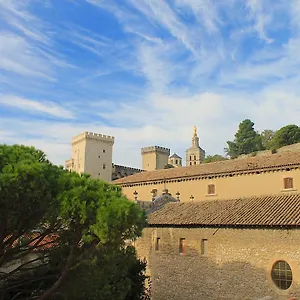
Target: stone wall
pixel 237 263
pixel 123 171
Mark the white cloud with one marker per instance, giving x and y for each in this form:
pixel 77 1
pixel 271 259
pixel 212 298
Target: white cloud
pixel 45 107
pixel 205 11
pixel 19 57
pixel 261 18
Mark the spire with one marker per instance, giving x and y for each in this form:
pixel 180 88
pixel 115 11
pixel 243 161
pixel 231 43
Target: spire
pixel 195 140
pixel 195 131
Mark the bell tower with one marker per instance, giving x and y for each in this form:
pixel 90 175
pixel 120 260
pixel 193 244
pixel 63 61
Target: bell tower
pixel 195 154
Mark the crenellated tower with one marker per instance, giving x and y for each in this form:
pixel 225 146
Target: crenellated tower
pixel 92 154
pixel 155 157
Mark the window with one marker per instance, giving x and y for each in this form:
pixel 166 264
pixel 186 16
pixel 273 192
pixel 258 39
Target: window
pixel 157 244
pixel 282 275
pixel 104 166
pixel 190 163
pixel 211 190
pixel 176 161
pixel 195 162
pixel 190 157
pixel 194 157
pixel 182 246
pixel 98 156
pixel 98 174
pixel 204 247
pixel 103 150
pixel 288 183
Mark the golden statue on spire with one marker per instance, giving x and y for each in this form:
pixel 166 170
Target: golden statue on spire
pixel 195 130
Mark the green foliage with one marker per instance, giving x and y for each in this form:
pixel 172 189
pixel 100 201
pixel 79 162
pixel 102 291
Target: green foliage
pixel 78 213
pixel 168 166
pixel 267 138
pixel 113 274
pixel 246 141
pixel 213 158
pixel 286 135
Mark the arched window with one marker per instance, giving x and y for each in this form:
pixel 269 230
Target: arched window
pixel 282 275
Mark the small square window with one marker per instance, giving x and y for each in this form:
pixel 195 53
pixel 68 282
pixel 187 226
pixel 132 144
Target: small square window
pixel 203 246
pixel 288 183
pixel 104 166
pixel 157 244
pixel 211 189
pixel 182 246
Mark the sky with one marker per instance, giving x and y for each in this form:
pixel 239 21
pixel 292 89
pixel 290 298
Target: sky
pixel 146 72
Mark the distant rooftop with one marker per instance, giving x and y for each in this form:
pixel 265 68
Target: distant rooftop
pixel 226 167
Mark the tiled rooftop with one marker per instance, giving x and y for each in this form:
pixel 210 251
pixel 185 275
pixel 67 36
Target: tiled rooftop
pixel 264 211
pixel 217 168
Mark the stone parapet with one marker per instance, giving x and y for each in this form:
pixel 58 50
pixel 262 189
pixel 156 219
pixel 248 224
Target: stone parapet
pixel 93 136
pixel 155 149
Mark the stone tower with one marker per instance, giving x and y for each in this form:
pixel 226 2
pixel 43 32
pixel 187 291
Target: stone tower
pixel 155 157
pixel 92 154
pixel 175 160
pixel 195 154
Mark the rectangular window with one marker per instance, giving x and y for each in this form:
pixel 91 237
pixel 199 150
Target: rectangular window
pixel 190 163
pixel 204 247
pixel 157 244
pixel 288 183
pixel 104 166
pixel 195 162
pixel 103 150
pixel 194 157
pixel 211 190
pixel 176 161
pixel 182 246
pixel 190 157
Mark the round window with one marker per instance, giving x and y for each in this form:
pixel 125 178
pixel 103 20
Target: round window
pixel 282 275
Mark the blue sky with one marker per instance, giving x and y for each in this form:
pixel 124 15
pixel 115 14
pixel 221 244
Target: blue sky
pixel 146 71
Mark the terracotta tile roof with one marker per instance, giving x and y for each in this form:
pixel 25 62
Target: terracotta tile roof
pixel 217 168
pixel 47 242
pixel 264 211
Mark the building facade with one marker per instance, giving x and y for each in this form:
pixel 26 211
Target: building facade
pixel 154 157
pixel 273 174
pixel 175 160
pixel 92 154
pixel 224 250
pixel 195 154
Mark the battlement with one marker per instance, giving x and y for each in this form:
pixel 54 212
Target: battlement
pixel 127 168
pixel 155 149
pixel 94 136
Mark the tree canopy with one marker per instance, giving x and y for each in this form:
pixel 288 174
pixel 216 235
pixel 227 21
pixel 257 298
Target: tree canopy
pixel 52 222
pixel 246 140
pixel 267 137
pixel 213 158
pixel 285 136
